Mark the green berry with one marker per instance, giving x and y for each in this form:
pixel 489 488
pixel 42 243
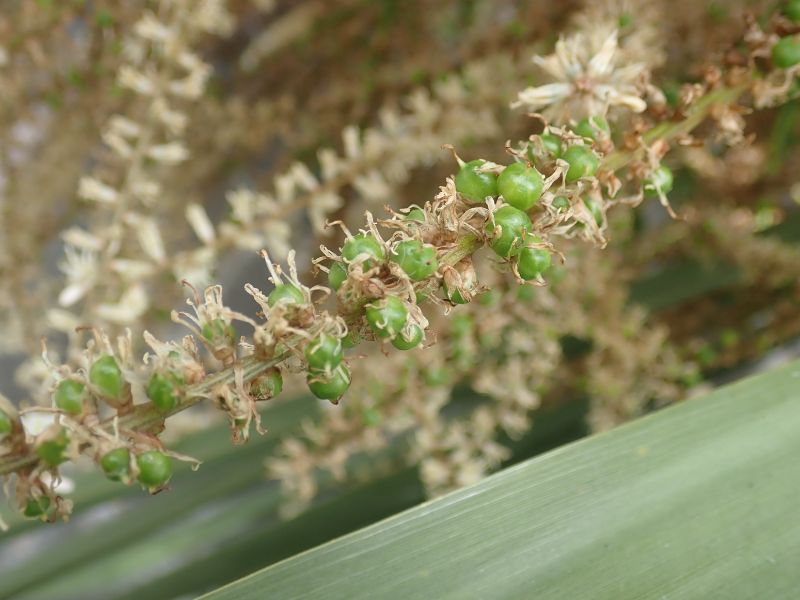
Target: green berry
pixel 552 143
pixel 116 464
pixel 582 162
pixel 561 203
pixel 161 391
pixel 474 185
pixel 106 376
pixel 363 245
pixel 218 330
pixel 409 338
pixel 533 262
pixel 415 214
pixel 595 210
pixel 69 396
pixel 786 53
pixel 595 128
pixel 51 451
pixel 337 275
pixel 267 385
pixel 520 185
pixel 387 317
pixel 155 468
pixel 36 507
pixel 285 293
pixel 792 10
pixel 5 424
pixel 324 353
pixel 659 180
pixel 508 233
pixel 330 387
pixel 418 260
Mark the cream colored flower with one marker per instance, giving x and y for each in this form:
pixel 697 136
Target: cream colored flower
pixel 587 80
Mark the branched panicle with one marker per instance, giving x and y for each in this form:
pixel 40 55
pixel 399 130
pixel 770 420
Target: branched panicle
pixel 507 238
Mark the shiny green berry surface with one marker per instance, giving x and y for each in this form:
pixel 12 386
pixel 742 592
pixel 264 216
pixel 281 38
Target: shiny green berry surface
pixel 285 293
pixel 582 162
pixel 507 234
pixel 337 275
pixel 155 468
pixel 162 391
pixel 561 203
pixel 69 396
pixel 51 452
pixel 410 337
pixel 533 262
pixel 417 260
pixel 786 53
pixel 595 128
pixel 520 185
pixel 106 376
pixel 36 507
pixel 116 463
pixel 324 353
pixel 552 144
pixel 363 245
pixel 660 180
pixel 387 317
pixel 329 387
pixel 474 185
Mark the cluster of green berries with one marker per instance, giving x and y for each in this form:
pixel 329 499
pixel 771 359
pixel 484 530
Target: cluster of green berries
pixel 328 377
pixel 155 468
pixel 786 53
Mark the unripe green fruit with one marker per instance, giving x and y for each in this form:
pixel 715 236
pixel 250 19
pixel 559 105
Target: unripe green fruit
pixel 5 424
pixel 324 353
pixel 595 128
pixel 116 464
pixel 792 10
pixel 410 337
pixel 659 180
pixel 473 185
pixel 582 162
pixel 218 330
pixel 415 214
pixel 285 293
pixel 337 275
pixel 69 396
pixel 786 53
pixel 267 385
pixel 106 376
pixel 552 144
pixel 36 507
pixel 330 387
pixel 533 262
pixel 418 260
pixel 508 233
pixel 362 244
pixel 162 391
pixel 520 185
pixel 595 210
pixel 351 340
pixel 387 316
pixel 51 452
pixel 561 203
pixel 155 468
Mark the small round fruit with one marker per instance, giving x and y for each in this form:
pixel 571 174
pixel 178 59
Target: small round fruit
pixel 582 162
pixel 363 245
pixel 594 128
pixel 69 396
pixel 155 468
pixel 415 214
pixel 285 293
pixel 330 387
pixel 106 376
pixel 409 338
pixel 161 391
pixel 116 464
pixel 474 185
pixel 595 210
pixel 418 260
pixel 786 53
pixel 509 230
pixel 267 385
pixel 324 353
pixel 551 143
pixel 36 507
pixel 387 317
pixel 5 424
pixel 660 180
pixel 533 262
pixel 337 275
pixel 520 185
pixel 51 451
pixel 561 203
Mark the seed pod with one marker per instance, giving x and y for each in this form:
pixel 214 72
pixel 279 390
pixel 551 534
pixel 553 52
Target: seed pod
pixel 155 469
pixel 106 376
pixel 520 185
pixel 329 387
pixel 474 185
pixel 116 464
pixel 69 396
pixel 387 317
pixel 324 353
pixel 509 230
pixel 417 260
pixel 582 162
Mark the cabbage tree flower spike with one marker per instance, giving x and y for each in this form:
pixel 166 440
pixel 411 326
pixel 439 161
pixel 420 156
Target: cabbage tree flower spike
pixel 587 80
